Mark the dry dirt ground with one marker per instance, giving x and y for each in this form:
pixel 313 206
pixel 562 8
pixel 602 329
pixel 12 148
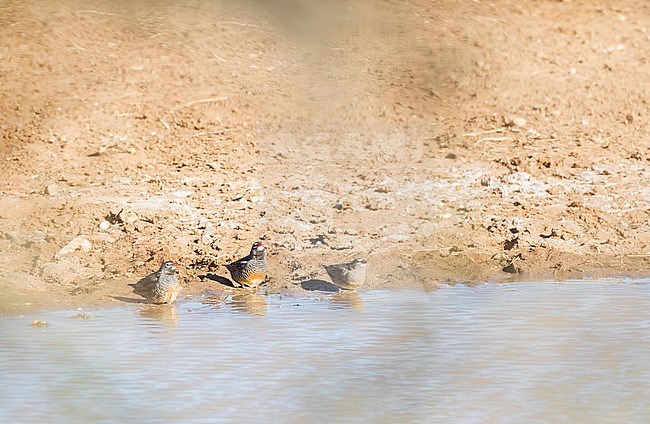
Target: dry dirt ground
pixel 445 141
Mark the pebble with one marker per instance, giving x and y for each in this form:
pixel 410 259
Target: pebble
pixel 516 121
pixel 343 205
pixel 342 246
pixel 52 190
pixel 372 205
pixel 104 225
pixel 127 216
pixel 79 242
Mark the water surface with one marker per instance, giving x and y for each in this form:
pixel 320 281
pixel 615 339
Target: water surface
pixel 508 353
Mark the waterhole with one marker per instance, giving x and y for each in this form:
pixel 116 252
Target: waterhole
pixel 508 353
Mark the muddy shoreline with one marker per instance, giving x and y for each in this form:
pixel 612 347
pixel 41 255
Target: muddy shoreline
pixel 424 271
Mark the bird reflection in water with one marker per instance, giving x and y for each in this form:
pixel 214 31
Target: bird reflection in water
pixel 347 300
pixel 166 315
pixel 249 303
pixel 215 300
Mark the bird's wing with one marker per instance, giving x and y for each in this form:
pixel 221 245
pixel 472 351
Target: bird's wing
pixel 240 264
pixel 335 271
pixel 151 278
pixel 145 284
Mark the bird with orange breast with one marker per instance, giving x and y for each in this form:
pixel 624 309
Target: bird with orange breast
pixel 250 271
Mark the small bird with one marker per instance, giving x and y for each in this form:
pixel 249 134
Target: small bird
pixel 250 270
pixel 348 276
pixel 161 286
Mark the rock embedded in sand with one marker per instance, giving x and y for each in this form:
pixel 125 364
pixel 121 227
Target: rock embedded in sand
pixel 342 246
pixel 52 190
pixel 515 121
pixel 127 216
pixel 206 238
pixel 372 205
pixel 63 271
pixel 79 242
pixel 104 225
pixel 343 204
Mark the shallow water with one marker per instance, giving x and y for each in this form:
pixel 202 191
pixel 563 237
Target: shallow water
pixel 508 353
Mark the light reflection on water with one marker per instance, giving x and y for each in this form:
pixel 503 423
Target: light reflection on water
pixel 527 352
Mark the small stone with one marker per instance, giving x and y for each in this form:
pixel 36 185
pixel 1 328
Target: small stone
pixel 548 233
pixel 396 238
pixel 104 225
pixel 99 151
pixel 343 205
pixel 342 246
pixel 52 190
pixel 39 323
pixel 519 122
pixel 127 216
pixel 140 226
pixel 512 268
pixel 79 242
pixel 372 205
pixel 515 121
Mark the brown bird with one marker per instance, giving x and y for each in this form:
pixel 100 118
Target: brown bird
pixel 250 270
pixel 348 276
pixel 161 286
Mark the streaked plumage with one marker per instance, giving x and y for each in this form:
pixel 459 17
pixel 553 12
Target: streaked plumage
pixel 348 276
pixel 161 286
pixel 250 271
